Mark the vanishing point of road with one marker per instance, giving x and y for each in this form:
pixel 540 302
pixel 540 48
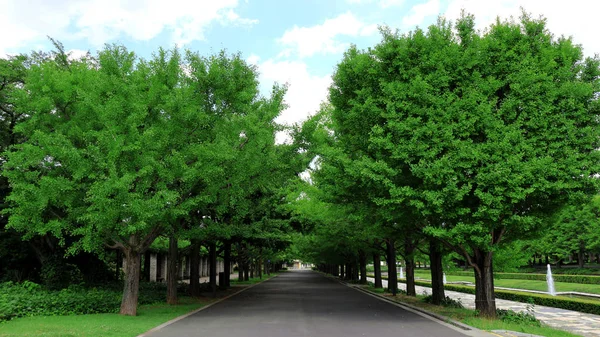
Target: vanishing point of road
pixel 305 303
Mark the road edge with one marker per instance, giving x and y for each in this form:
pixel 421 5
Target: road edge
pixel 178 318
pixel 446 321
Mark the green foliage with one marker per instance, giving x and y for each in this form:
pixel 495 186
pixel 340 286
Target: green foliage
pixel 575 304
pixel 581 279
pixel 106 325
pixel 574 228
pixel 511 256
pixel 57 274
pixel 522 317
pixel 30 299
pixel 475 137
pixel 446 302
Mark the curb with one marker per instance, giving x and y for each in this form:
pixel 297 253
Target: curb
pixel 176 319
pixel 421 310
pixel 417 310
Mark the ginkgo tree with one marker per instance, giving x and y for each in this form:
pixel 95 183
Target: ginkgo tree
pixel 120 150
pixel 477 134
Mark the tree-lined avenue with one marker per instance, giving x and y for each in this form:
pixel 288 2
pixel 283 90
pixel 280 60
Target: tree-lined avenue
pixel 304 303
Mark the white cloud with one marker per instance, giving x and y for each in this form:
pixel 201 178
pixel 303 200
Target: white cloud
pixel 305 91
pixel 308 41
pixel 576 18
pixel 381 3
pixel 100 21
pixel 419 12
pixel 390 3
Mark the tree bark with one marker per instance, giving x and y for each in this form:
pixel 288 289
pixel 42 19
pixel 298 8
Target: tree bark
pixel 132 282
pixel 212 257
pixel 377 270
pixel 581 254
pixel 363 267
pixel 172 271
pixel 485 301
pixel 227 263
pixel 195 268
pixel 437 273
pixel 392 272
pixel 409 259
pixel 246 271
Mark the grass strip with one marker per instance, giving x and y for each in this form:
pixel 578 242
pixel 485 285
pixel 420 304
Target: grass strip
pixel 109 325
pixel 469 317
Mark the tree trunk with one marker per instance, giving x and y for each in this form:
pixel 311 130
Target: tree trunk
pixel 195 269
pixel 260 271
pixel 377 270
pixel 581 254
pixel 227 263
pixel 212 264
pixel 132 283
pixel 172 271
pixel 437 273
pixel 342 271
pixel 485 301
pixel 246 271
pixel 349 272
pixel 363 267
pixel 391 261
pixel 409 258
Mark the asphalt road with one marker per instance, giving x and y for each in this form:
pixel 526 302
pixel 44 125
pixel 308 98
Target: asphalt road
pixel 305 303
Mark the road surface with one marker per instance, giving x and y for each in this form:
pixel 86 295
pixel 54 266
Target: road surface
pixel 305 303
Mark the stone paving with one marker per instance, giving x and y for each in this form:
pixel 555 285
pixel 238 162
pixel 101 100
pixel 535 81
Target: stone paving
pixel 572 321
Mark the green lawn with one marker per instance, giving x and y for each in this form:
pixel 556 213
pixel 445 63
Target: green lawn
pixel 254 280
pixel 469 317
pixel 522 284
pixel 108 325
pixel 112 325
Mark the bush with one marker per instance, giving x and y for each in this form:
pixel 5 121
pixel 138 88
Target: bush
pixel 581 279
pixel 575 304
pixel 31 299
pixel 57 274
pixel 446 302
pixel 523 317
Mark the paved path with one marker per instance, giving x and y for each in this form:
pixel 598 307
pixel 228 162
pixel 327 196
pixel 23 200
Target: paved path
pixel 305 303
pixel 573 321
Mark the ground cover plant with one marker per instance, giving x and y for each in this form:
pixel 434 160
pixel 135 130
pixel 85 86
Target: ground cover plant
pixel 107 324
pixel 506 320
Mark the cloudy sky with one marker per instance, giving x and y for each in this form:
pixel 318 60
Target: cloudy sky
pixel 297 42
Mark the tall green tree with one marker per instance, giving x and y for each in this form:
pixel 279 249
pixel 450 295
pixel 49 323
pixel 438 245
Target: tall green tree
pixel 478 134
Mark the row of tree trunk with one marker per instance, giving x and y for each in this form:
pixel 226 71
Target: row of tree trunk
pixel 356 270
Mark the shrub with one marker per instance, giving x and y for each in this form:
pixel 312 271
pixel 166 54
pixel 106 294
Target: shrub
pixel 581 279
pixel 57 274
pixel 575 304
pixel 31 299
pixel 446 302
pixel 523 317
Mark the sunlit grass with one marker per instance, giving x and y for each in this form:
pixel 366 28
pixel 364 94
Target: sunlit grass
pixel 109 325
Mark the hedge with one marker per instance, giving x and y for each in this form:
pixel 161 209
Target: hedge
pixel 581 279
pixel 30 299
pixel 575 304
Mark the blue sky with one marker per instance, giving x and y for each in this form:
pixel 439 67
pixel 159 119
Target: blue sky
pixel 298 42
